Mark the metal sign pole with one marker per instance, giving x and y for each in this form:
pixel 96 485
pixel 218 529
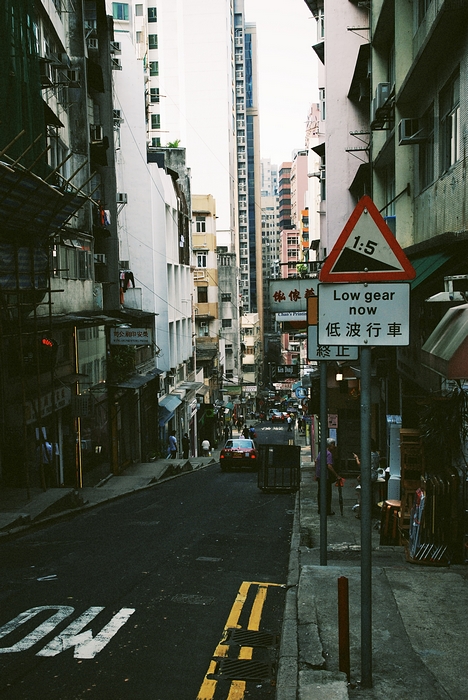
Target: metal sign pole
pixel 323 463
pixel 366 521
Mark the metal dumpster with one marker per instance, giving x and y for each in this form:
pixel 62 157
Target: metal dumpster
pixel 279 467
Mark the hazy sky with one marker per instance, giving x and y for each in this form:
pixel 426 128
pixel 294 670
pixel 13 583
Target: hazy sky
pixel 287 73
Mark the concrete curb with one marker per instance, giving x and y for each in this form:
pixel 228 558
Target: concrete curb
pixel 301 667
pixel 286 681
pixel 20 525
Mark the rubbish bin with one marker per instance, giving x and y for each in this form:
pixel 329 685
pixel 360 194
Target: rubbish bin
pixel 280 467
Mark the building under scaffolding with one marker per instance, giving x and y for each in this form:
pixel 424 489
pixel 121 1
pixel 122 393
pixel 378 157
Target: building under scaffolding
pixel 62 421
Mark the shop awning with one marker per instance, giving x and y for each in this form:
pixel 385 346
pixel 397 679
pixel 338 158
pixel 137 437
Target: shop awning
pixel 170 403
pixel 50 117
pixel 191 386
pixel 28 203
pixel 136 381
pixel 167 407
pixel 319 150
pixel 446 349
pixel 320 50
pixel 427 265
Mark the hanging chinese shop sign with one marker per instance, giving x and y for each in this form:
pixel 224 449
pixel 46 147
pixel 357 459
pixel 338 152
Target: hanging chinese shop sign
pixel 291 294
pixel 131 336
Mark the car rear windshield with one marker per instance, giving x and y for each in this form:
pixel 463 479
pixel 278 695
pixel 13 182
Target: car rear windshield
pixel 238 443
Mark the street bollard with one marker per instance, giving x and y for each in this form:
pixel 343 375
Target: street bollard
pixel 343 626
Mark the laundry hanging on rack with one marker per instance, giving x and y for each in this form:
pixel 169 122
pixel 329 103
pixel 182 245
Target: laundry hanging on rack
pixel 126 278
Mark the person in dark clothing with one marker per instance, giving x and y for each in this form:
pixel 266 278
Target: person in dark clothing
pixel 185 446
pixel 227 433
pixel 246 432
pixel 330 474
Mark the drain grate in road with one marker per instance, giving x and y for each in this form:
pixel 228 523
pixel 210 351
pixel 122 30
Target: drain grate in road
pixel 251 638
pixel 242 670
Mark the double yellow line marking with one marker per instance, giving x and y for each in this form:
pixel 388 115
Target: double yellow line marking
pixel 237 688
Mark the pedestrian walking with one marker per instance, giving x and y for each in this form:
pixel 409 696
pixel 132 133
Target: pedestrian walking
pixel 246 432
pixel 227 433
pixel 185 446
pixel 206 448
pixel 330 474
pixel 45 464
pixel 172 445
pixel 289 424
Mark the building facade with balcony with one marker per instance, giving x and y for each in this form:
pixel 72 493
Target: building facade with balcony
pixel 407 84
pixel 154 220
pixel 60 257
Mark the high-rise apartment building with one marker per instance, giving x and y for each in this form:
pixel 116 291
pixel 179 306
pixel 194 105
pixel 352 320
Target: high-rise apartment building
pixel 199 63
pixel 284 194
pixel 270 251
pixel 269 178
pixel 188 50
pixel 248 162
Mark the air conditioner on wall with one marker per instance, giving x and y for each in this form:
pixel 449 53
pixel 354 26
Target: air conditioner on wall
pixel 410 132
pixel 100 258
pixel 122 198
pixel 96 132
pixel 379 106
pixel 382 93
pixel 92 43
pixel 74 76
pixel 115 47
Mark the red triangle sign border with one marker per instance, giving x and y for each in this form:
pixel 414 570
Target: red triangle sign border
pixel 327 274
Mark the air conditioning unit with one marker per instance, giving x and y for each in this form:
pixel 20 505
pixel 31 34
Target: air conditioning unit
pixel 59 60
pixel 122 198
pixel 46 73
pixel 204 327
pixel 380 108
pixel 115 47
pixel 74 78
pixel 117 116
pixel 92 43
pixel 99 258
pixel 410 132
pixel 90 25
pixel 382 93
pixel 116 63
pixel 96 132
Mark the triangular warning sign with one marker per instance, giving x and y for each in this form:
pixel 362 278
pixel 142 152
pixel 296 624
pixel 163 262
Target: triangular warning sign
pixel 366 251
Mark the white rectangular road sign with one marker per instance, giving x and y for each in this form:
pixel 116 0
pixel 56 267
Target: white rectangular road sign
pixel 328 352
pixel 364 314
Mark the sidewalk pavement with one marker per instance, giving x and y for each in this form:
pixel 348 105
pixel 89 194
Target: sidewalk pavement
pixel 20 509
pixel 420 614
